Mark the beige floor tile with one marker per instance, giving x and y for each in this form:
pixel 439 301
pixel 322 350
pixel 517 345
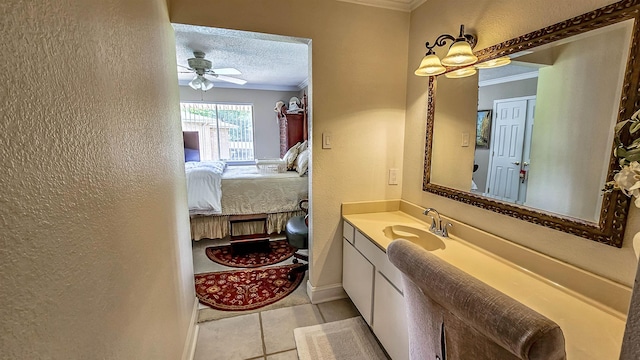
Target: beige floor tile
pixel 338 310
pixel 201 263
pixel 289 355
pixel 234 338
pixel 278 325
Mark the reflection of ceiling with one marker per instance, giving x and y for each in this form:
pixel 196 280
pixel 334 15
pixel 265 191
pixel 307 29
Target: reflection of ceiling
pixel 267 62
pixel 501 74
pixel 402 5
pixel 503 71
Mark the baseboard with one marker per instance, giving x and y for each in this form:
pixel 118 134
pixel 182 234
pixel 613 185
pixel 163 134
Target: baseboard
pixel 192 334
pixel 320 294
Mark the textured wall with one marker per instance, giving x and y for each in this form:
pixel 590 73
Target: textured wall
pixel 495 21
pixel 359 62
pixel 266 130
pixel 95 254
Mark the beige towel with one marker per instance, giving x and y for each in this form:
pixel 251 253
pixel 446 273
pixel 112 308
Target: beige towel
pixel 477 321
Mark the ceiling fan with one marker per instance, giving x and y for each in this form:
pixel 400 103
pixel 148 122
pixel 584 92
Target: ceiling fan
pixel 201 67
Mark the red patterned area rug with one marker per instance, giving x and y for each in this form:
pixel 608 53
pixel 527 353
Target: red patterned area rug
pixel 238 290
pixel 280 250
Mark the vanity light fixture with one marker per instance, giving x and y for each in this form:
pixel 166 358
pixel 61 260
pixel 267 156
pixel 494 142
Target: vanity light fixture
pixel 460 54
pixel 502 61
pixel 460 73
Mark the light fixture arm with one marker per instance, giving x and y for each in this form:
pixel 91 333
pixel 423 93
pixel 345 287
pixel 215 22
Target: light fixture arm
pixel 442 40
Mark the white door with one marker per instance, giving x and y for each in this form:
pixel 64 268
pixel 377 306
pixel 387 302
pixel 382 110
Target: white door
pixel 526 152
pixel 506 149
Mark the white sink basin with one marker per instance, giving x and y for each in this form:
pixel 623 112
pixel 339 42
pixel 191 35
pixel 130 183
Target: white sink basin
pixel 422 238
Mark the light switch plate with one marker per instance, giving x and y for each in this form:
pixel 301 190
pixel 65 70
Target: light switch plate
pixel 326 140
pixel 465 139
pixel 393 176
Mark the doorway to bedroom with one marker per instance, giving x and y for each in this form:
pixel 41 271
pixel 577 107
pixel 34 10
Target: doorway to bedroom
pixel 245 114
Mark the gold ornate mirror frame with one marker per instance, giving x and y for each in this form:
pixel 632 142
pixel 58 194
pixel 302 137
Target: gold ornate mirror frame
pixel 615 205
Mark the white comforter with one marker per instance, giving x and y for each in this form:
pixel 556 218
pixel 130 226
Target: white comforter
pixel 204 186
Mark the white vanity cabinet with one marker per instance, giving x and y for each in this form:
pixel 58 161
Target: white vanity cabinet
pixel 374 285
pixel 357 280
pixel 390 318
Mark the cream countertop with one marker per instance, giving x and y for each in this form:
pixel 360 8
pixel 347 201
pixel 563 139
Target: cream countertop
pixel 591 329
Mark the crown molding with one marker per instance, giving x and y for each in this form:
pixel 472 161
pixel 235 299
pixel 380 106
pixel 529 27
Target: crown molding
pixel 303 84
pixel 400 5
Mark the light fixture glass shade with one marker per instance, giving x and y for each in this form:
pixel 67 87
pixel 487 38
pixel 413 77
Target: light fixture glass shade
pixel 206 84
pixel 460 73
pixel 430 66
pixel 196 83
pixel 460 54
pixel 505 60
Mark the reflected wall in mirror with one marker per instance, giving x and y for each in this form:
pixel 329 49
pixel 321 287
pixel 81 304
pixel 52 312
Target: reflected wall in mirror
pixel 553 110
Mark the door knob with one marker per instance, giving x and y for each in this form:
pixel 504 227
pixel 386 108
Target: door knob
pixel 525 163
pixel 516 162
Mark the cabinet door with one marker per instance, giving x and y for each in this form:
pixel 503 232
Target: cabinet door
pixel 357 279
pixel 294 129
pixel 390 319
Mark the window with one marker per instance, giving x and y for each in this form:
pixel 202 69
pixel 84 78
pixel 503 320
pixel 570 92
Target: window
pixel 225 131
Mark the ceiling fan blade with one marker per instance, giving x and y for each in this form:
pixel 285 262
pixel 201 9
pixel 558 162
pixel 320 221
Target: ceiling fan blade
pixel 231 79
pixel 227 71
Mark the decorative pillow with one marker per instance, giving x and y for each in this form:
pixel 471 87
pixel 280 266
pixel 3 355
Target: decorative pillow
pixel 191 154
pixel 302 147
pixel 303 162
pixel 291 155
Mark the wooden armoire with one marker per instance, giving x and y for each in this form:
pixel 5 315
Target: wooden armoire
pixel 293 127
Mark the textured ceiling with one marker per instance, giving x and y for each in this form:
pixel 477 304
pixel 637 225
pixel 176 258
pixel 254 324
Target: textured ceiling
pixel 266 61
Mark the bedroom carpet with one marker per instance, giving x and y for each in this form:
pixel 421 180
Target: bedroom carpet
pixel 238 290
pixel 348 339
pixel 280 250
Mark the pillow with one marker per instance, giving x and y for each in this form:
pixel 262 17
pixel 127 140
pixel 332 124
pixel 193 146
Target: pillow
pixel 191 154
pixel 302 147
pixel 291 155
pixel 303 162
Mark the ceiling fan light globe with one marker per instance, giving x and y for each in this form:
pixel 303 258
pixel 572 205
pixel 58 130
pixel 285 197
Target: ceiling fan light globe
pixel 206 84
pixel 196 83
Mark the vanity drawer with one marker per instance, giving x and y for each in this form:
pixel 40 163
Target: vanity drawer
pixel 369 249
pixel 391 273
pixel 347 231
pixel 379 259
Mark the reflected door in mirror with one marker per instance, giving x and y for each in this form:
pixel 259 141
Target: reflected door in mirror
pixel 508 158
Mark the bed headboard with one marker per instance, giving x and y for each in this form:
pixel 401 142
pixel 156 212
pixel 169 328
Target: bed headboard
pixel 191 139
pixel 191 146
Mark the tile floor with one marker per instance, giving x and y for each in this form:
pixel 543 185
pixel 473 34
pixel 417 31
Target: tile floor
pixel 265 333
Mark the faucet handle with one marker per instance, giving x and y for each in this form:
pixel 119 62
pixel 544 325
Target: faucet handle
pixel 445 232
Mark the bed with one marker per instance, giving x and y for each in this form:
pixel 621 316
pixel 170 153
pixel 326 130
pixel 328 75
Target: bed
pixel 215 192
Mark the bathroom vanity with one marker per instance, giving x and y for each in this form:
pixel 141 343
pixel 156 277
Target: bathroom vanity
pixel 591 310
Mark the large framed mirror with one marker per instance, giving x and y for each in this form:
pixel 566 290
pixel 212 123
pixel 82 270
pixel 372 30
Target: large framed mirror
pixel 534 140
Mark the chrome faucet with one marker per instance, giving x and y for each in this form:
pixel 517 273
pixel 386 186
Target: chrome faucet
pixel 437 226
